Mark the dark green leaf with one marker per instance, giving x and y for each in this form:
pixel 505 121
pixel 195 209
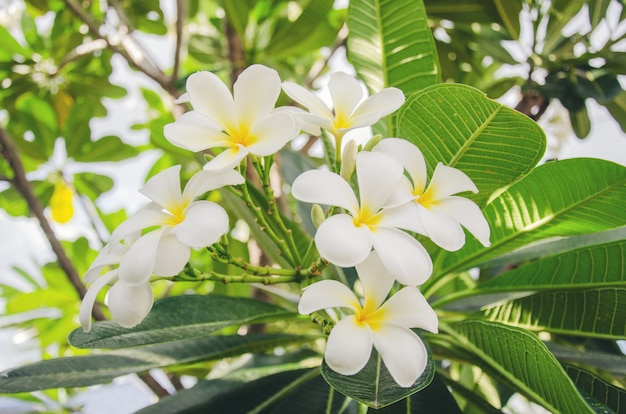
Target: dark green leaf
pixel 109 148
pixel 617 108
pixel 92 185
pixel 608 395
pixel 178 317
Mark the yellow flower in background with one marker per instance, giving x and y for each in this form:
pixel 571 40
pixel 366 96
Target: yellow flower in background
pixel 61 202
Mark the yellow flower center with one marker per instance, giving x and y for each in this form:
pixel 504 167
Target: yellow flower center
pixel 241 135
pixel 177 213
pixel 341 121
pixel 365 217
pixel 426 198
pixel 369 314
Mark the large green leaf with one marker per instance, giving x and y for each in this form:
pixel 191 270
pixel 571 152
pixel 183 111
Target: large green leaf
pixel 373 385
pixel 434 398
pixel 460 127
pixel 592 312
pixel 561 198
pixel 609 395
pixel 96 369
pixel 520 359
pixel 390 44
pixel 176 318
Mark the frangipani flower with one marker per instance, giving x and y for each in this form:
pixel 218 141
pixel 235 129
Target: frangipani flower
pixel 440 213
pixel 346 239
pixel 349 110
pixel 129 304
pixel 181 223
pixel 241 123
pixel 384 325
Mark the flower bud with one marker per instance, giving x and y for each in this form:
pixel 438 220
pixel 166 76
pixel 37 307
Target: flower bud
pixel 372 142
pixel 317 215
pixel 348 162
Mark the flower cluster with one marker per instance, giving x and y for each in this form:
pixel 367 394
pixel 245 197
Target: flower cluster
pixel 371 221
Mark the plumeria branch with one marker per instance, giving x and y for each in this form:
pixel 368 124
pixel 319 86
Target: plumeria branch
pixel 191 274
pixel 180 16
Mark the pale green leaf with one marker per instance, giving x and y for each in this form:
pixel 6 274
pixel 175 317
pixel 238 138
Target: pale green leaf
pixel 519 358
pixel 460 127
pixel 609 395
pixel 599 313
pixel 176 318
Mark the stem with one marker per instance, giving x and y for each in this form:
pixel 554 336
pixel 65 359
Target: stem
pixel 190 274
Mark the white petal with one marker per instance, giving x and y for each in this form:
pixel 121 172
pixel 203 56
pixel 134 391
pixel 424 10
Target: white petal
pixel 409 308
pixel 205 222
pixel 227 159
pixel 376 279
pixel 143 219
pixel 184 98
pixel 382 103
pixel 195 132
pixel 349 346
pixel 209 96
pixel 171 256
pixel 405 216
pixel 111 254
pixel 324 187
pixel 402 351
pixel 469 215
pixel 378 175
pixel 255 91
pixel 403 256
pixel 402 195
pixel 272 133
pixel 307 99
pixel 164 188
pixel 326 294
pixel 302 119
pixel 342 244
pixel 442 228
pixel 204 181
pixel 129 305
pixel 410 156
pixel 137 264
pixel 84 314
pixel 346 93
pixel 447 181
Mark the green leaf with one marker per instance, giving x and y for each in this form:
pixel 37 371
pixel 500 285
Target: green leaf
pixel 560 13
pixel 509 12
pixel 561 198
pixel 520 359
pixel 434 398
pixel 10 46
pixel 178 317
pixel 617 109
pixel 610 396
pixel 597 11
pixel 373 385
pixel 599 313
pixel 460 127
pixel 612 363
pixel 92 185
pixel 390 44
pixel 237 14
pixel 96 369
pixel 108 148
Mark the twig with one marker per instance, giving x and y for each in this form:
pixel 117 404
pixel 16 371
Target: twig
pixel 180 16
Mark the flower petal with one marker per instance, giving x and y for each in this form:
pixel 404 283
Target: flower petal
pixel 378 175
pixel 205 222
pixel 402 351
pixel 346 93
pixel 442 228
pixel 164 188
pixel 111 254
pixel 324 187
pixel 171 256
pixel 204 181
pixel 469 215
pixel 326 294
pixel 143 219
pixel 403 256
pixel 349 346
pixel 209 96
pixel 195 132
pixel 341 243
pixel 307 99
pixel 302 119
pixel 405 216
pixel 411 158
pixel 255 92
pixel 448 180
pixel 272 133
pixel 128 304
pixel 84 314
pixel 137 264
pixel 227 159
pixel 382 103
pixel 409 308
pixel 375 278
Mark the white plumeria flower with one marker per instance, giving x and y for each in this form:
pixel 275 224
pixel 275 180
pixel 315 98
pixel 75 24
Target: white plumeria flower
pixel 243 122
pixel 346 239
pixel 349 110
pixel 179 223
pixel 129 304
pixel 384 325
pixel 440 213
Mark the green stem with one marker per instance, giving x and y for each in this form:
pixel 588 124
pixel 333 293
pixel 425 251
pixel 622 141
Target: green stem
pixel 194 275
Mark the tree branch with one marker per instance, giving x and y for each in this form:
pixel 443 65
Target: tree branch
pixel 180 17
